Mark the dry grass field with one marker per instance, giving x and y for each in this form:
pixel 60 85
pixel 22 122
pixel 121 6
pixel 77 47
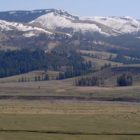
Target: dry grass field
pixel 40 120
pixel 57 110
pixel 66 89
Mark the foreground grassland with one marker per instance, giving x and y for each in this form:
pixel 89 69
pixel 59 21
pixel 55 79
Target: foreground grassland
pixel 25 136
pixel 41 120
pixel 28 114
pixel 66 89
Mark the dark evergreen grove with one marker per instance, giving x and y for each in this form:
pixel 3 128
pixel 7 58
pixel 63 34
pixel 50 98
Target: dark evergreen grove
pixel 17 62
pixel 89 81
pixel 125 80
pixel 22 61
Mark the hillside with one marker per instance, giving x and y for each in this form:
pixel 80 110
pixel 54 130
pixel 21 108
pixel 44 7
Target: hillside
pixel 109 75
pixel 65 90
pixel 62 36
pixel 52 27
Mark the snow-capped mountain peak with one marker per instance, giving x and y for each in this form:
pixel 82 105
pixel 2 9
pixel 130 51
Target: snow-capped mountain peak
pixel 122 24
pixel 63 21
pixel 51 27
pixel 58 20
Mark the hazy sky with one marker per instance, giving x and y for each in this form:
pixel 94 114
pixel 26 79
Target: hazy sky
pixel 78 7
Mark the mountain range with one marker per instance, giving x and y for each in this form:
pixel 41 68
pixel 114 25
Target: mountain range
pixel 50 28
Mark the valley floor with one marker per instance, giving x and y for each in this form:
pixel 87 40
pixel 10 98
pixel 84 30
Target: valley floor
pixel 57 110
pixel 40 120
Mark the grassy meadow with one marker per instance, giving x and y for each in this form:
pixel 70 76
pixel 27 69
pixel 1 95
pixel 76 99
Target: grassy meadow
pixel 33 120
pixel 80 113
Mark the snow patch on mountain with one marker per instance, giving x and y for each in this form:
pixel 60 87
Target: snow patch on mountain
pixel 55 20
pixel 30 34
pixel 12 12
pixel 4 26
pixel 121 24
pixel 10 26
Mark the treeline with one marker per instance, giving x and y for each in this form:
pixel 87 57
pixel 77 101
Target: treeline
pixel 125 60
pixel 82 69
pixel 42 77
pixel 125 80
pixel 21 61
pixel 122 80
pixel 89 81
pixel 18 62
